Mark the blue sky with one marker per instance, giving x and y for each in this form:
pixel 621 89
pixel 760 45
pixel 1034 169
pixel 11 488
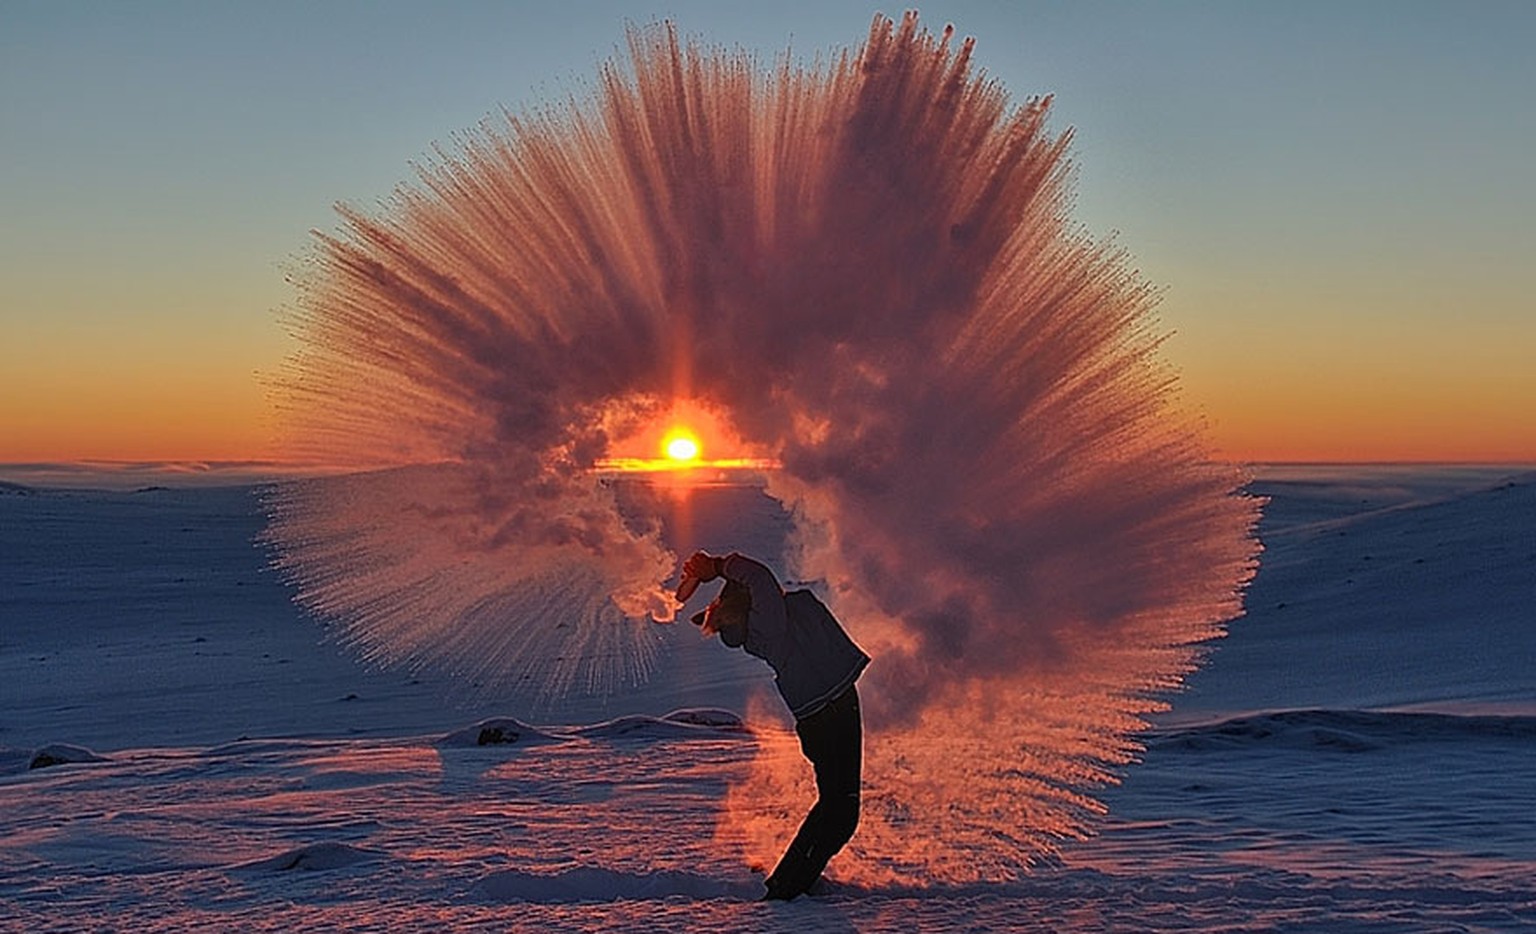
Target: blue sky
pixel 1335 196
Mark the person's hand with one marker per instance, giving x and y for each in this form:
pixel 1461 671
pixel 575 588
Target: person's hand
pixel 702 566
pixel 698 568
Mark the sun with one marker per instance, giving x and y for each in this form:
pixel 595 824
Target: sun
pixel 681 446
pixel 687 444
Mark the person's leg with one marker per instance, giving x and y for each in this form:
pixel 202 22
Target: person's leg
pixel 832 739
pixel 839 777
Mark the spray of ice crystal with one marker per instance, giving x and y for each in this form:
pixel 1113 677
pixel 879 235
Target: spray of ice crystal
pixel 866 268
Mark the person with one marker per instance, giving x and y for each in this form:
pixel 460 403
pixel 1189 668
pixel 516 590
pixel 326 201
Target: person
pixel 815 667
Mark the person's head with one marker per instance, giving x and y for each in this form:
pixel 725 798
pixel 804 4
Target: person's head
pixel 727 614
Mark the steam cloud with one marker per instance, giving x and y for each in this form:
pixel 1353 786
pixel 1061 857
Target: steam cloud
pixel 868 268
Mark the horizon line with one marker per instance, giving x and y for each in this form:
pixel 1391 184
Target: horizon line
pixel 104 473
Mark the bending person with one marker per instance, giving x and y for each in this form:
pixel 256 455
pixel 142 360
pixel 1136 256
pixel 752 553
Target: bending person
pixel 815 666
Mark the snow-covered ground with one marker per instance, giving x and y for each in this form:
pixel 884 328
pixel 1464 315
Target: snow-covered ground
pixel 1359 753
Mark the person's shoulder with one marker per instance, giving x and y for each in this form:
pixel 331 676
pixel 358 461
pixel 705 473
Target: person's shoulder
pixel 805 601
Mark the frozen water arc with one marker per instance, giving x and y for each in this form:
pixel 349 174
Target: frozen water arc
pixel 868 270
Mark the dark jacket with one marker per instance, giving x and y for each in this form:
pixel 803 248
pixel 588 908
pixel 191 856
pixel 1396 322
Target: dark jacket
pixel 813 659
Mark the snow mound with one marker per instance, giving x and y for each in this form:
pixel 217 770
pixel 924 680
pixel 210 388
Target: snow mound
pixel 1346 730
pixel 62 753
pixel 253 748
pixel 712 717
pixel 497 731
pixel 692 723
pixel 594 884
pixel 688 723
pixel 314 857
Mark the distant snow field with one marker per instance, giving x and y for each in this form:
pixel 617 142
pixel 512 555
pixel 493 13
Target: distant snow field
pixel 181 750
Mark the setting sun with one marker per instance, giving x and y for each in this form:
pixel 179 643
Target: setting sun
pixel 682 446
pixel 687 440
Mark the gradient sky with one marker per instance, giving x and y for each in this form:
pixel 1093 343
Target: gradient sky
pixel 1337 198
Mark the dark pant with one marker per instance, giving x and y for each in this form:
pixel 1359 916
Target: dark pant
pixel 832 738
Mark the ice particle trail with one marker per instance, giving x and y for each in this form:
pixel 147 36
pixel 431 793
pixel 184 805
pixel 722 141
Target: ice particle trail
pixel 865 268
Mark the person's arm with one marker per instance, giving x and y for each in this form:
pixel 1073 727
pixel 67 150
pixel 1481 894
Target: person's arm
pixel 767 621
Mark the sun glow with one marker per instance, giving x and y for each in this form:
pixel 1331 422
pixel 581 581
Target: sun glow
pixel 687 438
pixel 682 446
